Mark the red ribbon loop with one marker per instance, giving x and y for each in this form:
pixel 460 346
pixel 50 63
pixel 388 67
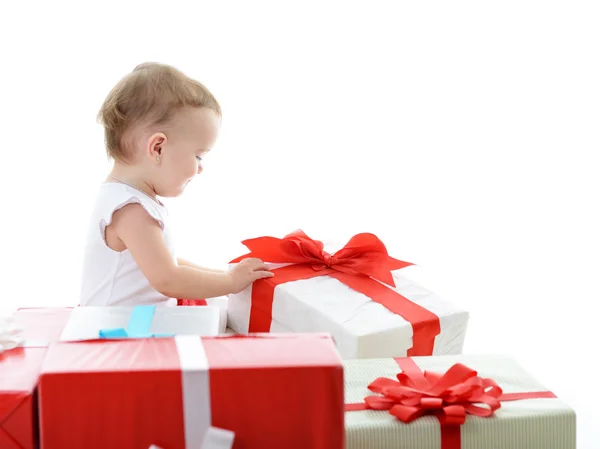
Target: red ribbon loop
pixel 364 254
pixel 450 396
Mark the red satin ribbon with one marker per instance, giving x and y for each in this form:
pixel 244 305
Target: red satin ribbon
pixel 363 264
pixel 192 302
pixel 449 397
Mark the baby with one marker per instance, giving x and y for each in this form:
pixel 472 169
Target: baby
pixel 158 125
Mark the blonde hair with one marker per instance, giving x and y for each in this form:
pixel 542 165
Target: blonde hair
pixel 150 94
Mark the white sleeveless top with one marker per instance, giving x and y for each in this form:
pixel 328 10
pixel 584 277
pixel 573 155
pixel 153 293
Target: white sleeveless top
pixel 109 277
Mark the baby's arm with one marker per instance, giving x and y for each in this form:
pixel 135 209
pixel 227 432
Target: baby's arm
pixel 143 237
pixel 187 263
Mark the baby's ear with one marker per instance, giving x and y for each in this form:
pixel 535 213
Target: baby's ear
pixel 155 144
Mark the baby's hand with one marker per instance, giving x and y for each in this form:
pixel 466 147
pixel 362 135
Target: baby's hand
pixel 246 272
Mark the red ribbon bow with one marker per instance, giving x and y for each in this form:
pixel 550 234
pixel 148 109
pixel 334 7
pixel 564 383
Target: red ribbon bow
pixel 449 396
pixel 364 254
pixel 363 264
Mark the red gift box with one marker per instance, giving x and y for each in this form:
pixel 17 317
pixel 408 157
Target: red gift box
pixel 273 391
pixel 19 371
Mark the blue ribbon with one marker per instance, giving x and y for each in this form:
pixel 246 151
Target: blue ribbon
pixel 138 326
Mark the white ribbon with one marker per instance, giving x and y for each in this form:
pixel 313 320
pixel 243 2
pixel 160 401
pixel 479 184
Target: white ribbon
pixel 8 335
pixel 196 397
pixel 199 434
pixel 214 438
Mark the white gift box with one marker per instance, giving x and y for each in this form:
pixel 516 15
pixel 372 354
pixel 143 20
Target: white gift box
pixel 536 423
pixel 85 323
pixel 9 338
pixel 220 302
pixel 361 327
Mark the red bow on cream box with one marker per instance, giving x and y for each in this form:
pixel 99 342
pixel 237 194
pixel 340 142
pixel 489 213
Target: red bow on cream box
pixel 495 406
pixel 356 294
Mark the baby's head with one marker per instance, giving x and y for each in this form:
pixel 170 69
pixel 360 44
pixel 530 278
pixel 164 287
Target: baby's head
pixel 159 123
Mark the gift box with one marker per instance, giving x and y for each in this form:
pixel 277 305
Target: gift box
pixel 272 391
pixel 19 370
pixel 9 338
pixel 89 323
pixel 34 329
pixel 452 402
pixel 357 294
pixel 220 302
pixel 41 326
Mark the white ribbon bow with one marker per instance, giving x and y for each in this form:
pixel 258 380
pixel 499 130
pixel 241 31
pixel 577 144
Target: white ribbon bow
pixel 8 335
pixel 214 438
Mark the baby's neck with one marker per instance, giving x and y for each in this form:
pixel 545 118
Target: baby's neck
pixel 129 176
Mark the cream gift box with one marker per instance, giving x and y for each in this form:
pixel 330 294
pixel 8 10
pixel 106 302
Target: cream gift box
pixel 529 416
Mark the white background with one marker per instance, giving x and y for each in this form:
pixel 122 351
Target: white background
pixel 461 133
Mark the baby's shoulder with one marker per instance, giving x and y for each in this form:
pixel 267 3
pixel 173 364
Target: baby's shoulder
pixel 113 197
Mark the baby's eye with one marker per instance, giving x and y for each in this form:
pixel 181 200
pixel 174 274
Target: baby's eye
pixel 199 158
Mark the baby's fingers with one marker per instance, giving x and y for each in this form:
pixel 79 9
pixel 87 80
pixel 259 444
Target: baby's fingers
pixel 256 264
pixel 260 266
pixel 262 274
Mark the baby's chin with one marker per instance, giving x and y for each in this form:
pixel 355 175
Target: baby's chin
pixel 171 193
pixel 175 191
pixel 179 191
